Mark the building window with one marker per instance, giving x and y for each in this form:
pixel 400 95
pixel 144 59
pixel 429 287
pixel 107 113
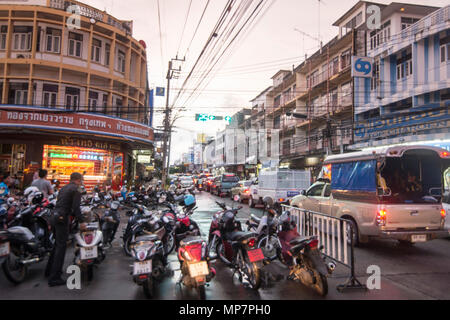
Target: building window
pixel 22 38
pixel 445 52
pixel 406 22
pixel 277 101
pixel 404 67
pixel 107 53
pixel 53 38
pixel 72 98
pixel 96 49
pixel 380 36
pixel 105 102
pixel 119 104
pixel 92 101
pixel 121 61
pixel 20 97
pixel 75 44
pixel 3 35
pixel 346 57
pixel 49 95
pixel 374 82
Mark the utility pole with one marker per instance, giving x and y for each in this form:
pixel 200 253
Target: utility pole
pixel 167 122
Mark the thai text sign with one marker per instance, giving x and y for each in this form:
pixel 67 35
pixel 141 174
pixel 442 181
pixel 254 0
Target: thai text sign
pixel 68 121
pixel 401 125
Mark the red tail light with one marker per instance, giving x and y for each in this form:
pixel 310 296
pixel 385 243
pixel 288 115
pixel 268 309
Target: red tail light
pixel 443 213
pixel 88 238
pixel 246 190
pixel 251 242
pixel 143 276
pixel 195 251
pixel 381 217
pixel 313 244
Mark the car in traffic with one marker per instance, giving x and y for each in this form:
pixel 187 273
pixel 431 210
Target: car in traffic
pixel 186 181
pixel 209 183
pixel 242 190
pixel 391 192
pixel 223 184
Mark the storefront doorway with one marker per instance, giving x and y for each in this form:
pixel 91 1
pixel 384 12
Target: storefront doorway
pixel 98 166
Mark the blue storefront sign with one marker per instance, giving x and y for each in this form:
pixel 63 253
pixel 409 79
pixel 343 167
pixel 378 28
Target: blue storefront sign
pixel 404 124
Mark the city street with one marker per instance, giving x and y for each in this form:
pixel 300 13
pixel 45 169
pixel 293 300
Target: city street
pixel 418 272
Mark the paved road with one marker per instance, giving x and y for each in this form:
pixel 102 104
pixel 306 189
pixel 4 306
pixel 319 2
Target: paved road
pixel 418 272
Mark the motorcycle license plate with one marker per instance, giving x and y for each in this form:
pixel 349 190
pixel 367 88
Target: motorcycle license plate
pixel 198 269
pixel 4 249
pixel 142 267
pixel 88 253
pixel 255 255
pixel 419 238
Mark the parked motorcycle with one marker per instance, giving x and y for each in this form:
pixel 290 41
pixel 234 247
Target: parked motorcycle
pixel 150 260
pixel 196 271
pixel 302 255
pixel 110 222
pixel 89 249
pixel 238 250
pixel 266 228
pixel 30 239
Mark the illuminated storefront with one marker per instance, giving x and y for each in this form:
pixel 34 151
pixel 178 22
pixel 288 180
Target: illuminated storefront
pixel 96 165
pixel 101 148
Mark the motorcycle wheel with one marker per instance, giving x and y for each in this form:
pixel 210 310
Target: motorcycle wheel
pixel 220 251
pixel 90 272
pixel 149 288
pixel 127 246
pixel 169 245
pixel 253 275
pixel 270 254
pixel 201 292
pixel 14 271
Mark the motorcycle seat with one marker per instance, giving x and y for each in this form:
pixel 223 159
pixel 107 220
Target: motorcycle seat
pixel 299 240
pixel 150 237
pixel 188 241
pixel 255 219
pixel 241 235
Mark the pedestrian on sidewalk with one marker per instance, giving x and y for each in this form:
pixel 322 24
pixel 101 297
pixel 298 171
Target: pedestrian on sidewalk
pixel 67 204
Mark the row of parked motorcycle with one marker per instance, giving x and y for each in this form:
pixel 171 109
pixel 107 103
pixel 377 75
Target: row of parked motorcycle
pixel 159 222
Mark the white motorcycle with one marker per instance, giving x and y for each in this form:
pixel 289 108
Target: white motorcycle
pixel 89 249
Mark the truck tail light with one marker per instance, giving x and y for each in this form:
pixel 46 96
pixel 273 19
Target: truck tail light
pixel 246 190
pixel 381 217
pixel 443 214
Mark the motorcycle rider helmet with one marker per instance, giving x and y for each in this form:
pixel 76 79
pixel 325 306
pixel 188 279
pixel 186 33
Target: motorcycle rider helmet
pixel 37 198
pixel 115 205
pixel 30 192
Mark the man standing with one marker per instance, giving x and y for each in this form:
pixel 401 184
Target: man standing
pixel 43 184
pixel 68 203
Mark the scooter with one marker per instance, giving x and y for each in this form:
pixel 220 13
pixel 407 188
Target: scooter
pixel 110 222
pixel 89 250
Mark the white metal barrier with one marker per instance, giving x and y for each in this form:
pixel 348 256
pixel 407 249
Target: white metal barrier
pixel 334 234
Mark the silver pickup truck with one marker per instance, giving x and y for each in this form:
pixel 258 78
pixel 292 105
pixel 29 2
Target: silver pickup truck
pixel 393 192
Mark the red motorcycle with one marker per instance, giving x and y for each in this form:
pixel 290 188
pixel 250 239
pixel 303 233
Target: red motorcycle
pixel 214 230
pixel 196 271
pixel 238 250
pixel 302 256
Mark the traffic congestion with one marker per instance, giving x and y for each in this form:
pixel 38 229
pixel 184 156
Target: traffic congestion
pixel 200 227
